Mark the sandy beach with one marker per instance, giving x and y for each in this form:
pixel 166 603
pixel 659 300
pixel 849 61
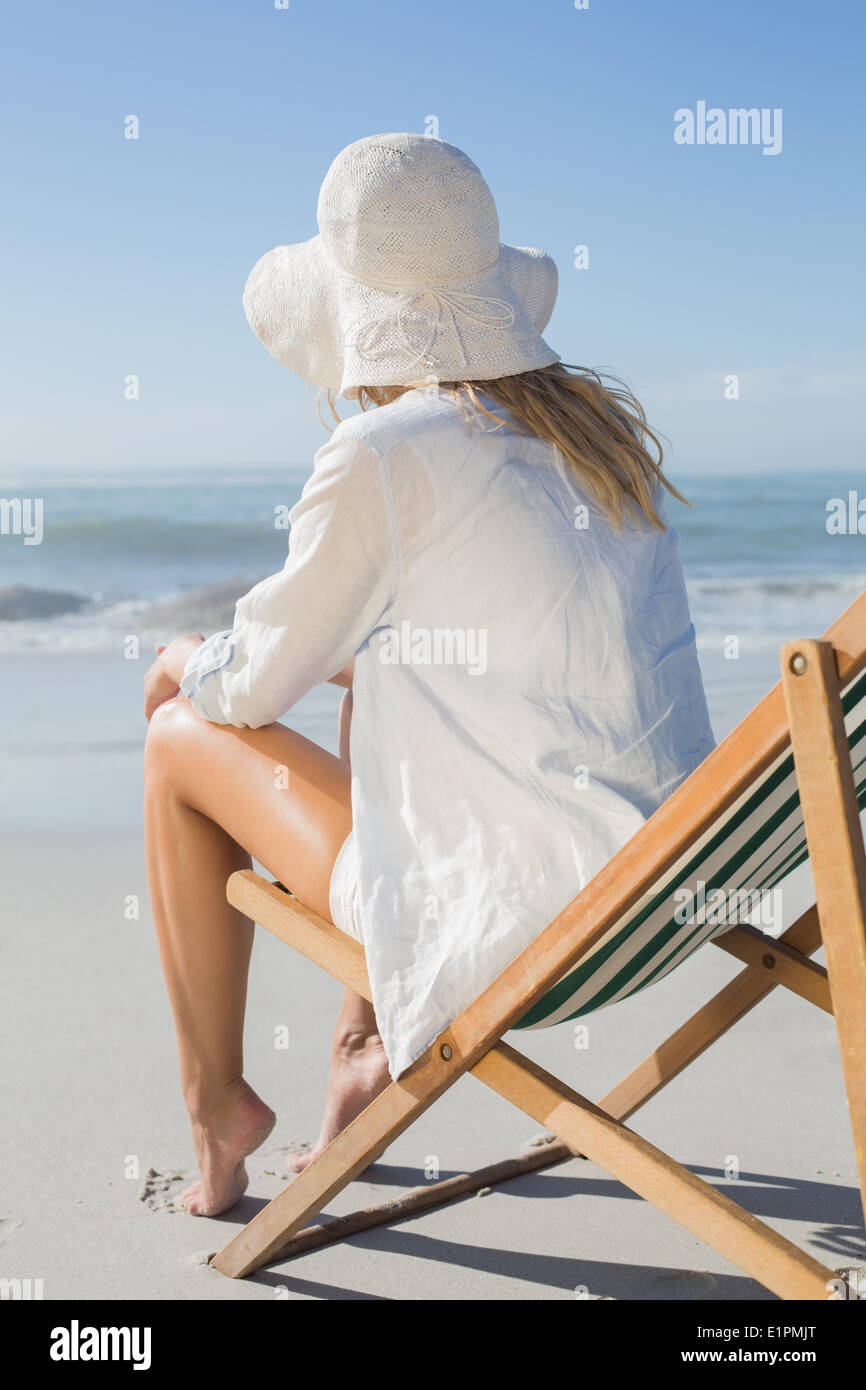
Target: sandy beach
pixel 96 1146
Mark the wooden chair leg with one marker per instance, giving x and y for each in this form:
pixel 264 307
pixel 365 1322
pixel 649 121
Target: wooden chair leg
pixel 301 928
pixel 738 997
pixel 791 967
pixel 359 1144
pixel 757 1249
pixel 822 761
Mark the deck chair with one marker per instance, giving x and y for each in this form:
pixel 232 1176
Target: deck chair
pixel 786 785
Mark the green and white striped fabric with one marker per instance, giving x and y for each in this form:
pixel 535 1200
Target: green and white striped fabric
pixel 755 844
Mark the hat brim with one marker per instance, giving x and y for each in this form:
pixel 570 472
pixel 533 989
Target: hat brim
pixel 307 312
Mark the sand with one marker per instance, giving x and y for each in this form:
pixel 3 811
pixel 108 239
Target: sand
pixel 95 1144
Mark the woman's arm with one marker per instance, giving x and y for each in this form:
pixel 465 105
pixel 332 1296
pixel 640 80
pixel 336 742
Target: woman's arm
pixel 304 625
pixel 162 681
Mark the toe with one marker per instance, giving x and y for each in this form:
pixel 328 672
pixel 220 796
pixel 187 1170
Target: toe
pixel 191 1198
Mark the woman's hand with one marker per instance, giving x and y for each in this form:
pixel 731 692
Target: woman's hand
pixel 162 681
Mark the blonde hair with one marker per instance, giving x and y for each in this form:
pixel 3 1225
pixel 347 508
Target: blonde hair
pixel 600 430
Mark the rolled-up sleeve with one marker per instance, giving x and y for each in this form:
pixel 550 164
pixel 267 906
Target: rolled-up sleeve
pixel 301 626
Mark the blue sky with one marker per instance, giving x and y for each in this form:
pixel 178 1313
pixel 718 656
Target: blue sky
pixel 125 257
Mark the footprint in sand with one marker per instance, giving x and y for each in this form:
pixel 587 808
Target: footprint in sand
pixel 159 1190
pixel 277 1156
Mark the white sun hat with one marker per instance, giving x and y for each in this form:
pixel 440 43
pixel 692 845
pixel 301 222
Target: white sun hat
pixel 407 279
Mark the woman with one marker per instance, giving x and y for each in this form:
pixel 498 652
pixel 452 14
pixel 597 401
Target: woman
pixel 484 563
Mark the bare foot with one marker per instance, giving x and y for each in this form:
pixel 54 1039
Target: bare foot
pixel 223 1135
pixel 359 1073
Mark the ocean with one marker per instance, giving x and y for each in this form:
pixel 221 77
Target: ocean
pixel 145 557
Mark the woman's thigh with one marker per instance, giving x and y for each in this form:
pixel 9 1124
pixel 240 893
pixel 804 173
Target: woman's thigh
pixel 284 799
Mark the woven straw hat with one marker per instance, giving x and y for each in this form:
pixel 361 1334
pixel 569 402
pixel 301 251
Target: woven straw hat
pixel 407 279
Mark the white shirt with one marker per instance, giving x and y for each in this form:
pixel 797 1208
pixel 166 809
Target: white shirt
pixel 526 687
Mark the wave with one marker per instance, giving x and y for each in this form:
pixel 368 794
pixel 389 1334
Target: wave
pixel 54 620
pixel 798 585
pixel 210 608
pixel 164 535
pixel 19 603
pixel 763 606
pixel 768 610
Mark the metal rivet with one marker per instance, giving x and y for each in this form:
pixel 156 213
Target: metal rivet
pixel 799 664
pixel 769 961
pixel 445 1052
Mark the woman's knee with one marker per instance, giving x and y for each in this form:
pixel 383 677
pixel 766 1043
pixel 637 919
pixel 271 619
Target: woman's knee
pixel 171 726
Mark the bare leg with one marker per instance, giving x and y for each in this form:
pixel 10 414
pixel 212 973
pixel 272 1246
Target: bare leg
pixel 214 796
pixel 359 1067
pixel 359 1072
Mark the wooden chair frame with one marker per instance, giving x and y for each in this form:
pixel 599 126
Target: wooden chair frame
pixel 803 710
